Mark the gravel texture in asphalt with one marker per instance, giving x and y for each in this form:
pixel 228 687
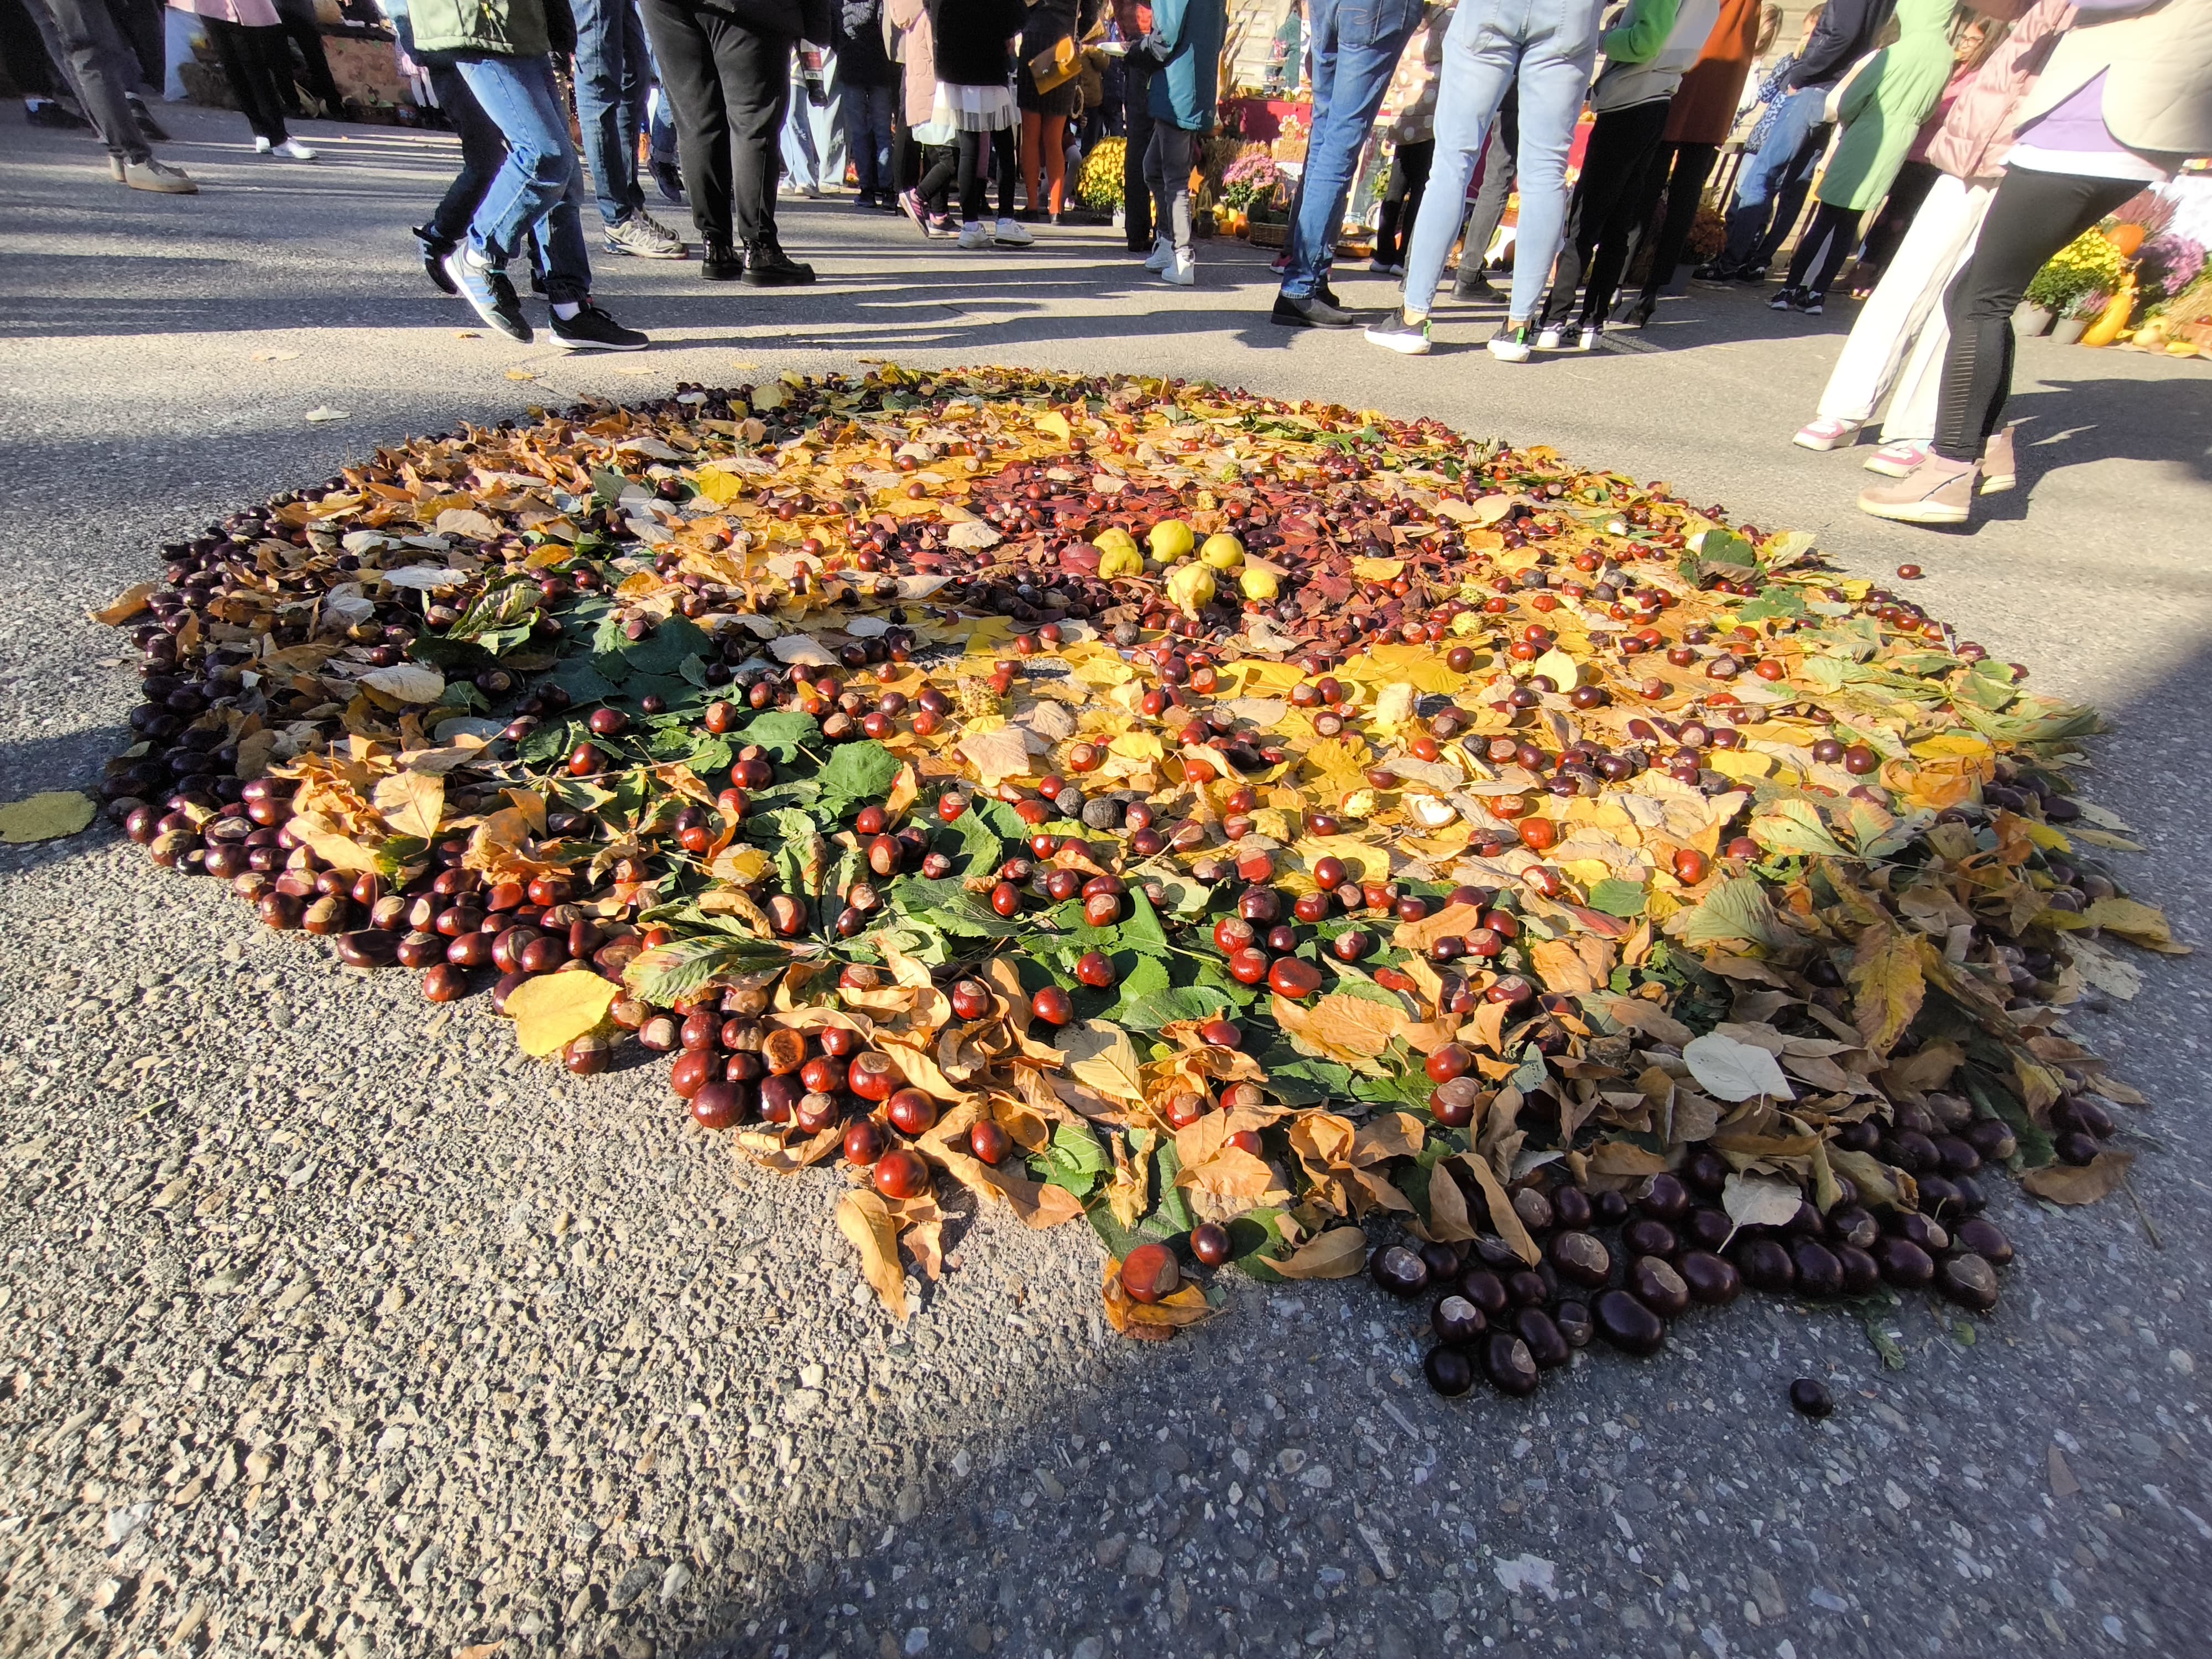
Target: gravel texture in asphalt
pixel 333 1324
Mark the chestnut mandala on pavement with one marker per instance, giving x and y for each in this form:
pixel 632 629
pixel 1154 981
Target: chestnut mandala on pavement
pixel 1297 842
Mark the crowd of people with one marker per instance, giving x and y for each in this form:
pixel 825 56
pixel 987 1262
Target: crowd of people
pixel 1954 144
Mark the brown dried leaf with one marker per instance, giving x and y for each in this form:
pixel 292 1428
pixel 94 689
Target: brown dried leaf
pixel 2079 1183
pixel 865 1221
pixel 1339 1253
pixel 1502 1217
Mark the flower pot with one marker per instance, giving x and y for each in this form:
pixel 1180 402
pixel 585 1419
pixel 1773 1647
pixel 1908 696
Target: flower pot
pixel 2029 320
pixel 2069 330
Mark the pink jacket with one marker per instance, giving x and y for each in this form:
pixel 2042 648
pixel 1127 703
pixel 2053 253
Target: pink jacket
pixel 252 14
pixel 912 19
pixel 1977 136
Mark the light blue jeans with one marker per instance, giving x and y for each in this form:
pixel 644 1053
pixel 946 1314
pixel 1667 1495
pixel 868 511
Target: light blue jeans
pixel 1549 46
pixel 1356 44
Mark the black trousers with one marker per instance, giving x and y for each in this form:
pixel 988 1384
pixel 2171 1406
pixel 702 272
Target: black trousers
pixel 297 19
pixel 1409 179
pixel 1821 251
pixel 731 88
pixel 1913 182
pixel 1603 217
pixel 1678 172
pixel 248 58
pixel 975 185
pixel 2034 214
pixel 1137 138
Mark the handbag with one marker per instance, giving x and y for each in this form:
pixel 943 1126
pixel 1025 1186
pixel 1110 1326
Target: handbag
pixel 1056 65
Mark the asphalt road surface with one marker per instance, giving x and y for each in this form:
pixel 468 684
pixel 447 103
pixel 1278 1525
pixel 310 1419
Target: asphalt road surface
pixel 333 1325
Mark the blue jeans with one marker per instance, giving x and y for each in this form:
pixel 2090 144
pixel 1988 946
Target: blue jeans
pixel 613 70
pixel 1549 44
pixel 1356 44
pixel 1777 173
pixel 868 136
pixel 539 187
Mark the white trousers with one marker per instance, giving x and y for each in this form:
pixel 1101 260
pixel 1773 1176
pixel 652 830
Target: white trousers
pixel 1895 351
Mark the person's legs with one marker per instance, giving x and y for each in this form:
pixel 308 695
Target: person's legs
pixel 1607 160
pixel 796 141
pixel 972 184
pixel 1355 51
pixel 1491 196
pixel 870 161
pixel 2034 215
pixel 1813 246
pixel 299 26
pixel 245 66
pixel 1416 160
pixel 82 28
pixel 1686 192
pixel 139 30
pixel 1555 69
pixel 1843 235
pixel 1790 200
pixel 1916 385
pixel 1003 145
pixel 1409 171
pixel 1033 157
pixel 532 186
pixel 1178 152
pixel 1479 62
pixel 482 150
pixel 1054 146
pixel 1627 206
pixel 609 89
pixel 1137 139
pixel 1903 305
pixel 1907 193
pixel 939 178
pixel 1765 173
pixel 691 84
pixel 756 77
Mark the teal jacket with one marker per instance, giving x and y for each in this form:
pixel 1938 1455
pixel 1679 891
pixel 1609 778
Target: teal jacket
pixel 511 28
pixel 1883 105
pixel 1187 86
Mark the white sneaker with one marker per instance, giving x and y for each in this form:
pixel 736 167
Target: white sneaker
pixel 293 150
pixel 1008 233
pixel 1162 256
pixel 1181 271
pixel 1587 339
pixel 1510 344
pixel 975 235
pixel 261 146
pixel 1550 337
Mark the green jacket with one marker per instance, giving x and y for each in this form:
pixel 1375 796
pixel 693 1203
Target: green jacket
pixel 1883 105
pixel 510 28
pixel 1186 87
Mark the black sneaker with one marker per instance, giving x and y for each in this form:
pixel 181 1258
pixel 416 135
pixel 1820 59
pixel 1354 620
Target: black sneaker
pixel 1477 288
pixel 1752 274
pixel 768 265
pixel 592 329
pixel 435 249
pixel 1313 313
pixel 1785 297
pixel 671 181
pixel 723 263
pixel 1811 304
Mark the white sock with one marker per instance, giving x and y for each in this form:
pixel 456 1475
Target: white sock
pixel 566 310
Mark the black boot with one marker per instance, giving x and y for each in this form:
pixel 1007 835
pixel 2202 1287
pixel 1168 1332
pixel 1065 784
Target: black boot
pixel 435 249
pixel 768 265
pixel 723 263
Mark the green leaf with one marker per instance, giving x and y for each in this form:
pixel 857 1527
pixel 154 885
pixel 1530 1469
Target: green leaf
pixel 1616 897
pixel 663 651
pixel 668 973
pixel 1162 1008
pixel 783 732
pixel 1147 978
pixel 1140 930
pixel 580 678
pixel 857 772
pixel 1795 826
pixel 1736 910
pixel 1174 1208
pixel 948 906
pixel 981 850
pixel 501 618
pixel 1074 1160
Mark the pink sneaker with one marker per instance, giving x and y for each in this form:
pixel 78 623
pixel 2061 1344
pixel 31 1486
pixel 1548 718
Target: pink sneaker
pixel 1936 491
pixel 1897 461
pixel 1827 433
pixel 1999 471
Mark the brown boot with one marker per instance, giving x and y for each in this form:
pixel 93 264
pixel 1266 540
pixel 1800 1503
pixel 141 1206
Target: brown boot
pixel 1936 491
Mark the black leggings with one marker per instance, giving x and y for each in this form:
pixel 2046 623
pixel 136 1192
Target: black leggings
pixel 1409 177
pixel 1914 180
pixel 2034 214
pixel 941 164
pixel 974 187
pixel 1602 217
pixel 1829 238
